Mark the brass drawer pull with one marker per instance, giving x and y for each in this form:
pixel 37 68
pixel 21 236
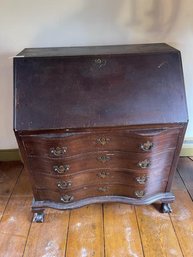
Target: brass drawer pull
pixel 144 164
pixel 103 189
pixel 61 169
pixel 64 184
pixel 146 146
pixel 58 151
pixel 103 158
pixel 100 62
pixel 139 193
pixel 103 174
pixel 67 198
pixel 142 180
pixel 103 140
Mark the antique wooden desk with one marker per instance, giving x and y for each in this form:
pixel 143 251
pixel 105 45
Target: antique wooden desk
pixel 99 124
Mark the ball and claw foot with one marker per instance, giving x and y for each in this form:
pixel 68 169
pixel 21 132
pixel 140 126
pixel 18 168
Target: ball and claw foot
pixel 38 217
pixel 166 208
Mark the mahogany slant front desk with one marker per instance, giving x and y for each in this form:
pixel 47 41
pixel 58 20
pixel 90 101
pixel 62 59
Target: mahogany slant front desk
pixel 99 124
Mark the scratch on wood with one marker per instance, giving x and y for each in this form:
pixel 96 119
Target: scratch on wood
pixel 161 65
pixel 52 249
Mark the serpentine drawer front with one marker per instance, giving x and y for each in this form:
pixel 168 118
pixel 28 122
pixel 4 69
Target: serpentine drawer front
pixel 99 124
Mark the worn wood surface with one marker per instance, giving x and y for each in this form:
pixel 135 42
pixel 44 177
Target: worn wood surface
pixel 48 238
pixel 182 219
pixel 85 236
pixel 157 233
pixel 127 80
pixel 185 170
pixel 121 232
pixel 96 230
pixel 16 220
pixel 9 172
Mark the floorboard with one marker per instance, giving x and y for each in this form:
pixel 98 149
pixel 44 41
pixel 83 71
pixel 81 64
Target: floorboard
pixel 16 220
pixel 157 233
pixel 109 230
pixel 85 235
pixel 182 219
pixel 48 239
pixel 122 236
pixel 9 173
pixel 185 169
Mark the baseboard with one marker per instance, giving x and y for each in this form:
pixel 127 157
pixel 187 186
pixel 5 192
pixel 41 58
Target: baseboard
pixel 13 154
pixel 9 155
pixel 187 148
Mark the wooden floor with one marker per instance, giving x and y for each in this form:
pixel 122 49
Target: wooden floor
pixel 111 230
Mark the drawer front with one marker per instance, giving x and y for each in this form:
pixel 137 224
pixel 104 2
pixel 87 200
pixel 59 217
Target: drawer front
pixel 70 144
pixel 102 160
pixel 99 190
pixel 103 176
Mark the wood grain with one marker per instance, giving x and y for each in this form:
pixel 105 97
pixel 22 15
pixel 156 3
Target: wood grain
pixel 85 236
pixel 182 219
pixel 185 169
pixel 9 173
pixel 48 238
pixel 121 231
pixel 11 246
pixel 16 220
pixel 102 160
pixel 120 88
pixel 103 190
pixel 127 140
pixel 157 233
pixel 178 184
pixel 182 215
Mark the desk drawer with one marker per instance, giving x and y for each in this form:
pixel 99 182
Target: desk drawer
pixel 102 160
pixel 70 144
pixel 103 176
pixel 99 190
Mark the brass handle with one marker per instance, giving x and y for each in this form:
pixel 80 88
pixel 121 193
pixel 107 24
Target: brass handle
pixel 64 184
pixel 144 164
pixel 58 151
pixel 146 146
pixel 61 168
pixel 103 158
pixel 142 180
pixel 100 62
pixel 103 189
pixel 103 174
pixel 103 140
pixel 67 198
pixel 139 193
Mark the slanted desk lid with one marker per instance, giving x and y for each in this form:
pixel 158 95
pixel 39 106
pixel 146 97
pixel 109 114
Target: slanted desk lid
pixel 114 86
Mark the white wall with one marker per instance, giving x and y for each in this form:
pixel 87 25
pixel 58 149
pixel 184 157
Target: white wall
pixel 39 23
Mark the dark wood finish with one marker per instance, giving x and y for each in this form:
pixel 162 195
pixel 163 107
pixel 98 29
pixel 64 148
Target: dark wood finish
pixel 102 160
pixel 101 190
pixel 98 177
pixel 121 140
pixel 82 84
pixel 96 50
pixel 99 123
pixel 36 205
